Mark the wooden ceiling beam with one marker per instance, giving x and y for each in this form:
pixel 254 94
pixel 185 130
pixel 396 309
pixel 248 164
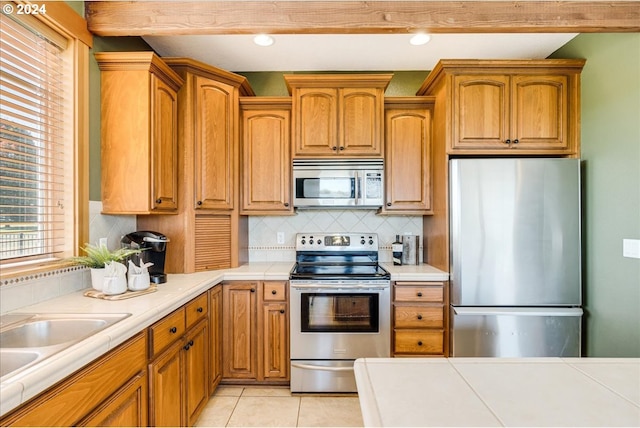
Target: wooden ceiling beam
pixel 142 18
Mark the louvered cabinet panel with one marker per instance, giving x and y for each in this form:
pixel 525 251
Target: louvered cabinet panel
pixel 212 242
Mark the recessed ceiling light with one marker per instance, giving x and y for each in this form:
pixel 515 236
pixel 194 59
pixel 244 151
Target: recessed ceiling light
pixel 263 40
pixel 420 39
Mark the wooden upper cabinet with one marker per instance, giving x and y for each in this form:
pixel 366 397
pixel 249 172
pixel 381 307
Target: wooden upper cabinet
pixel 139 125
pixel 214 144
pixel 266 155
pixel 337 114
pixel 509 107
pixel 408 155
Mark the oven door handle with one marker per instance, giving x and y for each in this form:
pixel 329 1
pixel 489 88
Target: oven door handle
pixel 340 287
pixel 325 368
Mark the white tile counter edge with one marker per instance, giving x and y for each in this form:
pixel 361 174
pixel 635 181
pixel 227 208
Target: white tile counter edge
pixel 145 310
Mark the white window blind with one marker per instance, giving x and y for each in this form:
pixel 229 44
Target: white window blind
pixel 35 190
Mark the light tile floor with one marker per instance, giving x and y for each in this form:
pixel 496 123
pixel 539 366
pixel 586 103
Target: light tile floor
pixel 238 406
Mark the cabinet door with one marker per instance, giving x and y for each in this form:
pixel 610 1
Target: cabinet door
pixel 166 406
pixel 408 160
pixel 212 242
pixel 240 349
pixel 215 337
pixel 196 370
pixel 266 155
pixel 127 407
pixel 214 149
pixel 539 112
pixel 275 341
pixel 480 112
pixel 315 121
pixel 164 148
pixel 360 123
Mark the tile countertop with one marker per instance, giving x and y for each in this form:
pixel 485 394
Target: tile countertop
pixel 499 391
pixel 145 310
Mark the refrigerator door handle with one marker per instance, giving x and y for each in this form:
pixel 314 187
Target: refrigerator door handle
pixel 550 311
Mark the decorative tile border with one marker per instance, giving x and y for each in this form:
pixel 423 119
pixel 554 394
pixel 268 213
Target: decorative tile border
pixel 40 275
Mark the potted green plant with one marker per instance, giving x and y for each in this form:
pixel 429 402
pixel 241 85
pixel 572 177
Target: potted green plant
pixel 97 256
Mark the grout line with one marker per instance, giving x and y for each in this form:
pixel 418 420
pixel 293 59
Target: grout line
pixel 234 408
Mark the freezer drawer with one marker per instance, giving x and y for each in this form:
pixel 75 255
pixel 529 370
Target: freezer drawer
pixel 515 332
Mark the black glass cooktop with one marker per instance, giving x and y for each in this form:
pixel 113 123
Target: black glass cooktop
pixel 339 271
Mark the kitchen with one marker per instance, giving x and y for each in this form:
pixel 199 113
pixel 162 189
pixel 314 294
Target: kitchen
pixel 603 339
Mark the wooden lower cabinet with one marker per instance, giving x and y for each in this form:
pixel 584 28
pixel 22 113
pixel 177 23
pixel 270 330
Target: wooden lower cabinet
pixel 256 332
pixel 125 408
pixel 215 337
pixel 110 391
pixel 420 319
pixel 179 373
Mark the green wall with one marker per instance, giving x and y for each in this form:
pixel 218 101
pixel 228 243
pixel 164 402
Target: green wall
pixel 611 189
pixel 271 83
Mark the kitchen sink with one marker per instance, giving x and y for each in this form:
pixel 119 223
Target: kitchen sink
pixel 12 360
pixel 26 339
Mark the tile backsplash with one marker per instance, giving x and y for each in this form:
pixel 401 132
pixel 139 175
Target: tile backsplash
pixel 16 293
pixel 263 231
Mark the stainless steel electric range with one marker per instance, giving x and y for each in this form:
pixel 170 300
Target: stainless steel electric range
pixel 340 309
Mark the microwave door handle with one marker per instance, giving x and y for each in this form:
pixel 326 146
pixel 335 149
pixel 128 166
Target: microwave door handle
pixel 357 190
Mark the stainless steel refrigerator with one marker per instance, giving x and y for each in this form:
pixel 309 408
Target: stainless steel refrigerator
pixel 515 257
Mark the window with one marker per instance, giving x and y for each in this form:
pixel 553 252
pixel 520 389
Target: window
pixel 42 145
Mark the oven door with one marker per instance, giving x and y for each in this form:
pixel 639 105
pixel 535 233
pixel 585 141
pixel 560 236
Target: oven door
pixel 339 322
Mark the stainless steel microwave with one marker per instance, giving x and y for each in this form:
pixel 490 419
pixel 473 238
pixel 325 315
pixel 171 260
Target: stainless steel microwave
pixel 353 183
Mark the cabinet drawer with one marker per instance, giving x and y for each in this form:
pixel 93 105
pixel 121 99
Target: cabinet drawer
pixel 419 293
pixel 197 309
pixel 275 291
pixel 418 316
pixel 166 331
pixel 418 342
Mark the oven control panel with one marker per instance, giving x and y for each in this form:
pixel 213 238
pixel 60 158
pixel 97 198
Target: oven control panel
pixel 337 241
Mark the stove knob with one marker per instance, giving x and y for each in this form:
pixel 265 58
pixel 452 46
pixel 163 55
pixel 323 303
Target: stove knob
pixel 363 242
pixel 303 242
pixel 310 241
pixel 319 241
pixel 370 241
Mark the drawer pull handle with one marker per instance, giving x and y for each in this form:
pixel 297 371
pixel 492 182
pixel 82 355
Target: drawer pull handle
pixel 200 309
pixel 274 292
pixel 419 316
pixel 173 329
pixel 419 342
pixel 419 293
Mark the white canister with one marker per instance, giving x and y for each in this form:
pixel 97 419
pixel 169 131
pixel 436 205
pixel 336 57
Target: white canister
pixel 139 281
pixel 114 284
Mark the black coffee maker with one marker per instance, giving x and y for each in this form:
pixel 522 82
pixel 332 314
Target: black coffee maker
pixel 154 246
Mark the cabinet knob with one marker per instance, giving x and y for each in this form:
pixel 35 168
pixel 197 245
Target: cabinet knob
pixel 282 311
pixel 173 329
pixel 388 204
pixel 199 202
pixel 199 310
pixel 158 201
pixel 419 342
pixel 516 141
pixel 334 148
pixel 286 204
pixel 253 290
pixel 419 316
pixel 419 294
pixel 507 141
pixel 191 343
pixel 274 292
pixel 186 347
pixel 341 148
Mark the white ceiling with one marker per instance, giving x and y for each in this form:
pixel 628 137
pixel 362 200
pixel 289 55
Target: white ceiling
pixel 341 52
